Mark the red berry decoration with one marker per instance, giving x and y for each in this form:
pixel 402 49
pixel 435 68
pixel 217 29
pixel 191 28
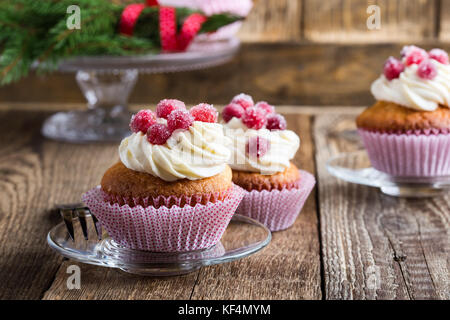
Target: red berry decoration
pixel 204 112
pixel 426 70
pixel 257 147
pixel 179 119
pixel 269 109
pixel 244 100
pixel 166 106
pixel 392 68
pixel 276 122
pixel 414 55
pixel 158 134
pixel 254 118
pixel 141 121
pixel 439 55
pixel 233 110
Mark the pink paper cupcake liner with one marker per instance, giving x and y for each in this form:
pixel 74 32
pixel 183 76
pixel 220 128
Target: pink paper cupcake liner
pixel 276 209
pixel 408 155
pixel 163 229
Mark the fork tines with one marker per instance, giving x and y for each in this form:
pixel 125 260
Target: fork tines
pixel 69 213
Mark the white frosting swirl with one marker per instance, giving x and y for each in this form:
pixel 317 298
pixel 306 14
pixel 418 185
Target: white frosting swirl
pixel 411 91
pixel 193 154
pixel 283 146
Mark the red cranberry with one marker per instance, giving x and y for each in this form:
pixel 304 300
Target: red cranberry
pixel 179 119
pixel 254 118
pixel 141 121
pixel 166 106
pixel 158 134
pixel 392 68
pixel 276 122
pixel 204 112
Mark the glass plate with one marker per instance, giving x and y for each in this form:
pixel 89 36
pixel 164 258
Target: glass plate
pixel 243 237
pixel 355 167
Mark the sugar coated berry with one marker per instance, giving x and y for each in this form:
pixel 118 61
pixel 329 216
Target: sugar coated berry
pixel 244 100
pixel 158 134
pixel 233 110
pixel 426 70
pixel 392 68
pixel 166 106
pixel 179 119
pixel 269 109
pixel 414 55
pixel 257 147
pixel 276 122
pixel 141 121
pixel 439 55
pixel 254 118
pixel 204 112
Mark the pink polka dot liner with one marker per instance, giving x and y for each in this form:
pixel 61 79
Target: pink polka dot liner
pixel 163 229
pixel 408 155
pixel 276 209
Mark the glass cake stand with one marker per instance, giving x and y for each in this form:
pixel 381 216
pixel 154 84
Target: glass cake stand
pixel 106 83
pixel 355 167
pixel 243 237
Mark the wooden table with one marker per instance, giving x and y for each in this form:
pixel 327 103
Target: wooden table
pixel 349 242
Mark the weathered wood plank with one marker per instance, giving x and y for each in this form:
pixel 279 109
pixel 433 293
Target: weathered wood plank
pixel 283 74
pixel 375 246
pixel 444 27
pixel 346 20
pixel 289 268
pixel 273 20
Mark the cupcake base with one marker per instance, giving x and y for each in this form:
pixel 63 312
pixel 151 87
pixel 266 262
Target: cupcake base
pixel 277 209
pixel 174 229
pixel 408 155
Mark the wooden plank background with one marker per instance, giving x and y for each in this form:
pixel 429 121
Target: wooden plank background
pixel 295 52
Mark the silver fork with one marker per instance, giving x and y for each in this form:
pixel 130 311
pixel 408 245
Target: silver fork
pixel 72 211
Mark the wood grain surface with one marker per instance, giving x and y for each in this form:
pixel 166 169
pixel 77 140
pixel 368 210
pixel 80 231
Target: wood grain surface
pixel 284 74
pixel 375 246
pixel 349 242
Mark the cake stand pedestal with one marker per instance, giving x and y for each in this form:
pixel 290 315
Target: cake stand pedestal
pixel 106 83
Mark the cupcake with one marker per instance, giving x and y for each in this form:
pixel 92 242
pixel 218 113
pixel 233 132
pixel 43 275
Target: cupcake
pixel 407 131
pixel 172 189
pixel 261 153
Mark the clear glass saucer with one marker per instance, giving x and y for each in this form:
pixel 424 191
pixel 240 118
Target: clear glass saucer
pixel 243 237
pixel 107 81
pixel 355 167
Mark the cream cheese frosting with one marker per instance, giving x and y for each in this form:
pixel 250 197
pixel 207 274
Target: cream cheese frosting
pixel 193 154
pixel 411 91
pixel 283 146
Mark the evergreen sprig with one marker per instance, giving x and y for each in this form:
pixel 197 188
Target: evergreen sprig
pixel 35 33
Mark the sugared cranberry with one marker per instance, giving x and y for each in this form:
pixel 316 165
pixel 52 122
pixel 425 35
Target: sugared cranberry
pixel 414 55
pixel 426 70
pixel 244 100
pixel 254 118
pixel 158 134
pixel 392 68
pixel 276 122
pixel 439 55
pixel 141 121
pixel 179 119
pixel 166 106
pixel 266 107
pixel 257 147
pixel 204 112
pixel 232 110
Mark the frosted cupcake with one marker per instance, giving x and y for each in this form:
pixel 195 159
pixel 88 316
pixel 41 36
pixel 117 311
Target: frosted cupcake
pixel 407 131
pixel 172 189
pixel 261 154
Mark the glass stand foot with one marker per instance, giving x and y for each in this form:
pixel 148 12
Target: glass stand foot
pixel 107 117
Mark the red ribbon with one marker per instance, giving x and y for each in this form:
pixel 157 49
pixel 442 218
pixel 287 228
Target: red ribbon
pixel 170 41
pixel 189 30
